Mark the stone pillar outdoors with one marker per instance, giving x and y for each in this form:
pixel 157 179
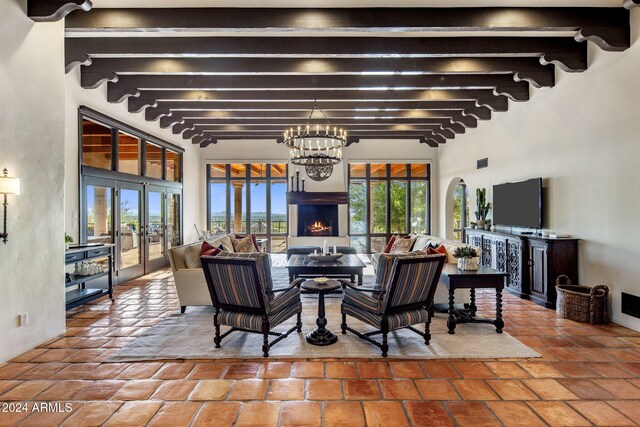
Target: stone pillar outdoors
pixel 100 212
pixel 237 205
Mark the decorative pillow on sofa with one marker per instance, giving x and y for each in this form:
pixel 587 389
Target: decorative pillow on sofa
pixel 209 250
pixel 393 239
pixel 244 245
pixel 253 239
pixel 225 241
pixel 402 245
pixel 451 248
pixel 429 250
pixel 390 243
pixel 193 253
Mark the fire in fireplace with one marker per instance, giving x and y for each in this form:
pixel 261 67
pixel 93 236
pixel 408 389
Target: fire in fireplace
pixel 318 220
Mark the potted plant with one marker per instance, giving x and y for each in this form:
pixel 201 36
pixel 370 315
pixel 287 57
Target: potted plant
pixel 67 241
pixel 467 258
pixel 482 207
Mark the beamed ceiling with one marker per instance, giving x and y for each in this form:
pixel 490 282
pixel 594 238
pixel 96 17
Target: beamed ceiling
pixel 428 74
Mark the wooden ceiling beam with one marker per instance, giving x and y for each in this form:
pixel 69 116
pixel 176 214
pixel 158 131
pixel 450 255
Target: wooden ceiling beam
pixel 280 124
pixel 609 28
pixel 467 121
pixel 562 51
pixel 54 10
pixel 241 133
pixel 501 84
pixel 481 97
pixel 166 108
pixel 108 69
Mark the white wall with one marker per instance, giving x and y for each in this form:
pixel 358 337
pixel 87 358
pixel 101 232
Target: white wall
pixel 582 138
pixel 32 148
pixel 367 150
pixel 96 99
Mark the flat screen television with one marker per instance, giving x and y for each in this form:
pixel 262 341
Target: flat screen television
pixel 518 204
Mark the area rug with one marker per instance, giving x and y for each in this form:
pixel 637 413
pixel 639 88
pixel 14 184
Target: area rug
pixel 190 336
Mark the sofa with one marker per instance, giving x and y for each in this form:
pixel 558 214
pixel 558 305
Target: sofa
pixel 423 240
pixel 187 271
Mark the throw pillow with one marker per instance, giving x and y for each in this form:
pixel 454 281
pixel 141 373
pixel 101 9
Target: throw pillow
pixel 437 250
pixel 387 248
pixel 192 257
pixel 244 245
pixel 451 248
pixel 253 239
pixel 402 245
pixel 209 250
pixel 394 238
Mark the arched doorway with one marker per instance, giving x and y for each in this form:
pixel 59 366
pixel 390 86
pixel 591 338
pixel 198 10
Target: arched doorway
pixel 457 209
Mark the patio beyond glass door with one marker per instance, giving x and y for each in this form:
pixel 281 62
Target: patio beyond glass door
pixel 129 231
pixel 155 213
pixel 174 222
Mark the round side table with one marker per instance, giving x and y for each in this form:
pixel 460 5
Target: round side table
pixel 321 336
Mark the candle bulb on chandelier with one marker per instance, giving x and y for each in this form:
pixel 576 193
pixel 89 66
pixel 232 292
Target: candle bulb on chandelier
pixel 298 130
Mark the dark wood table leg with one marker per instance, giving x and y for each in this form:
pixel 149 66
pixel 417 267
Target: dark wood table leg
pixel 472 302
pixel 321 336
pixel 360 278
pixel 499 323
pixel 451 322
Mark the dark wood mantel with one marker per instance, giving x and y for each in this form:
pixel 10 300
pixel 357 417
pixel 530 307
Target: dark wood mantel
pixel 317 198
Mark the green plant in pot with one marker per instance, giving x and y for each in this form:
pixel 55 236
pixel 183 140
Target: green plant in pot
pixel 482 207
pixel 468 258
pixel 67 240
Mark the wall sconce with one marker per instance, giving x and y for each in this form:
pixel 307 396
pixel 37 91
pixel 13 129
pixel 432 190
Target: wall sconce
pixel 8 185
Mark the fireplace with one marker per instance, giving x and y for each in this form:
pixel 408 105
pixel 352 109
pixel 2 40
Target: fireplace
pixel 318 220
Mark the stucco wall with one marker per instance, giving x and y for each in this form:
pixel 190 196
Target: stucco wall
pixel 32 148
pixel 581 137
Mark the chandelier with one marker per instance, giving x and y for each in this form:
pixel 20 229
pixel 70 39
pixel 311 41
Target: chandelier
pixel 316 147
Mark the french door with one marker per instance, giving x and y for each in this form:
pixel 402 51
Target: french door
pixel 142 220
pixel 130 229
pixel 155 228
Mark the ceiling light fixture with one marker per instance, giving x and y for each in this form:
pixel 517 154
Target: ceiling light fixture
pixel 317 147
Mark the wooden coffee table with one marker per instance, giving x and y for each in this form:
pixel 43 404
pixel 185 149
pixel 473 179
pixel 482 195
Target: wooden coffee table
pixel 321 335
pixel 348 265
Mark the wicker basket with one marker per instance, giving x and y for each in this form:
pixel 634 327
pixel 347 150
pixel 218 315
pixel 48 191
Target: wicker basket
pixel 582 303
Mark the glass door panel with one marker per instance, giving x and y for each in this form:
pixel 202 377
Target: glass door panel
pixel 259 207
pixel 174 235
pixel 218 207
pixel 99 214
pixel 154 229
pixel 130 251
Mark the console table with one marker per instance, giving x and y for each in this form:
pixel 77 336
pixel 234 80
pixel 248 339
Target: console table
pixel 532 263
pixel 483 278
pixel 103 254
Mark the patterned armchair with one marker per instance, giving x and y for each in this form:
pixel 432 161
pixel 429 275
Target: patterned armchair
pixel 242 293
pixel 400 301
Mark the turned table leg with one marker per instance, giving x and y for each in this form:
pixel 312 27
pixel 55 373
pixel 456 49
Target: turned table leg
pixel 499 323
pixel 451 322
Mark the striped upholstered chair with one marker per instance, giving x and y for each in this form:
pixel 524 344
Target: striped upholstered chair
pixel 401 301
pixel 242 293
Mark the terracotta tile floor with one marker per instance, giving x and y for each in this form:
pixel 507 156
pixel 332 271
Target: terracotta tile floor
pixel 588 375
